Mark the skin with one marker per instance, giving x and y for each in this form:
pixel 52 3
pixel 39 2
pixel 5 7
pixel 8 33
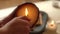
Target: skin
pixel 15 25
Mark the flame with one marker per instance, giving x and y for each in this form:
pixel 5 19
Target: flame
pixel 52 22
pixel 26 11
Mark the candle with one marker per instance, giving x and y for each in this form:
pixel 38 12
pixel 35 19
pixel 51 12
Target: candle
pixel 52 25
pixel 30 11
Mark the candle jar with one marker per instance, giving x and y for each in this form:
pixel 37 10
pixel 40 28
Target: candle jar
pixel 32 12
pixel 51 27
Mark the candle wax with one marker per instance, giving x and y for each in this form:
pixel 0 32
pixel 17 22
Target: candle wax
pixel 51 26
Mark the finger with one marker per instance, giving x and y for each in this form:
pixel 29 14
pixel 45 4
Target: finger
pixel 17 22
pixel 24 22
pixel 1 21
pixel 24 18
pixel 17 26
pixel 20 21
pixel 9 17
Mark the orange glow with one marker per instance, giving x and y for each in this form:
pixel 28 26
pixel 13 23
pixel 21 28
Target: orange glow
pixel 26 11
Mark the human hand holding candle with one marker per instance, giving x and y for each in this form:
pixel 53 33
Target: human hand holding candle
pixel 16 25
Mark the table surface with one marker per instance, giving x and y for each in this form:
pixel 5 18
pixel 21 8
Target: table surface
pixel 45 6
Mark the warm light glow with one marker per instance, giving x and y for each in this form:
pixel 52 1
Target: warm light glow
pixel 52 22
pixel 26 11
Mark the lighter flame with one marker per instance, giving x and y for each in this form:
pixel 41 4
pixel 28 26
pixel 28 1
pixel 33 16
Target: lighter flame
pixel 52 22
pixel 26 11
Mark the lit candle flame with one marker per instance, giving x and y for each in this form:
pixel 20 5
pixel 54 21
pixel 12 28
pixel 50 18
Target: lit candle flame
pixel 26 11
pixel 52 22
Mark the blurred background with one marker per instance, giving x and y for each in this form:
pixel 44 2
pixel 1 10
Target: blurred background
pixel 51 7
pixel 43 5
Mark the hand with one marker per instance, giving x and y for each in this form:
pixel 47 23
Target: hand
pixel 18 25
pixel 7 19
